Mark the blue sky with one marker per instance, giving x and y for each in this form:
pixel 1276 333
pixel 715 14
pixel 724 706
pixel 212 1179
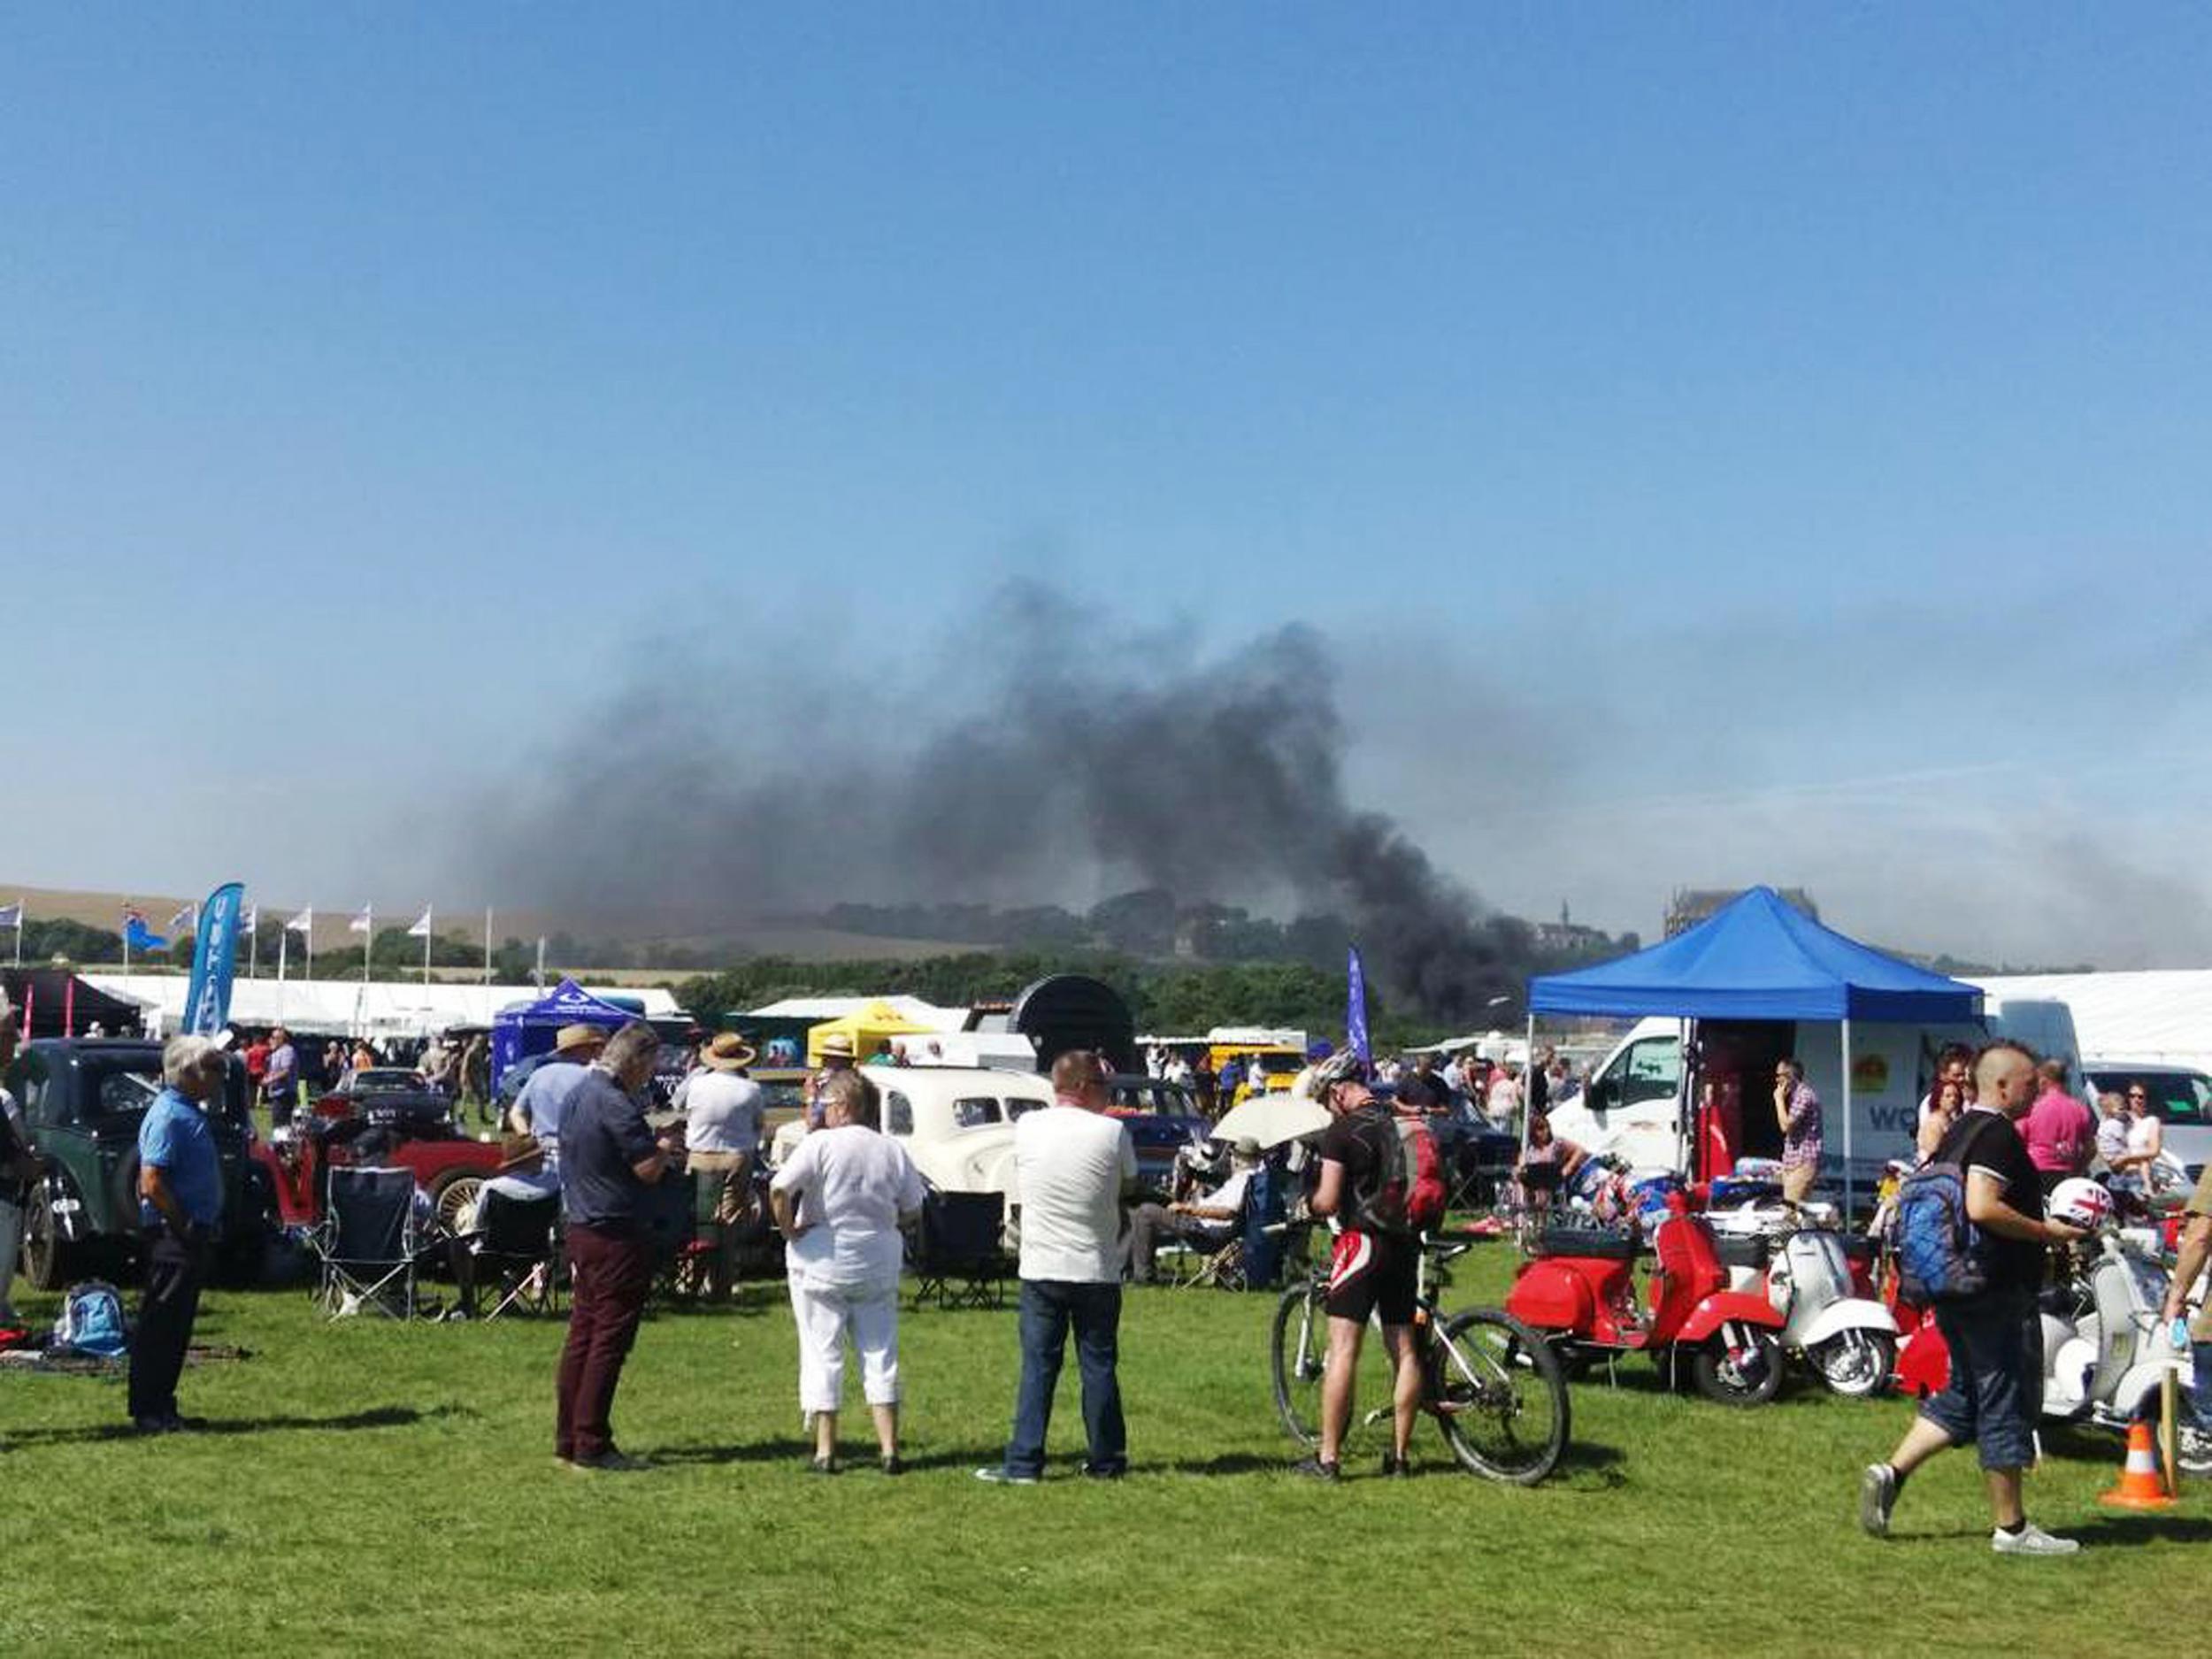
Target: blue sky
pixel 1700 405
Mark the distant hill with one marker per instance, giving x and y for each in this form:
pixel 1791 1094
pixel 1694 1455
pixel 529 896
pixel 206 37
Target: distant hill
pixel 644 957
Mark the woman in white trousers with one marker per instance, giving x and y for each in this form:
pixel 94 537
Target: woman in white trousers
pixel 839 1199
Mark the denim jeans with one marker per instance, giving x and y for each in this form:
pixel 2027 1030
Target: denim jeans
pixel 1049 1309
pixel 2197 1403
pixel 1995 1393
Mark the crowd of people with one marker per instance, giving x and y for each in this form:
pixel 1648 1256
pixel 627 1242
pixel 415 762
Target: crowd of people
pixel 1497 1089
pixel 843 1192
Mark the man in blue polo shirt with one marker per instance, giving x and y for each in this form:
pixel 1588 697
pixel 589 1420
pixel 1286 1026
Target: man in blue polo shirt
pixel 180 1200
pixel 609 1157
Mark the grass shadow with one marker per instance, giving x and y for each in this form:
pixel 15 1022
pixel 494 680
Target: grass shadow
pixel 1592 1465
pixel 783 1449
pixel 1231 1463
pixel 859 1455
pixel 375 1418
pixel 2161 1527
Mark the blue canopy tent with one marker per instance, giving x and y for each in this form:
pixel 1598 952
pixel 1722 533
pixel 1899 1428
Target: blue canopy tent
pixel 1759 958
pixel 524 1029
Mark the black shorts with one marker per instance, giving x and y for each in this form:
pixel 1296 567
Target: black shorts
pixel 1371 1273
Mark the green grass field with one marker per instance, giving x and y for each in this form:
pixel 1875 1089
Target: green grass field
pixel 375 1489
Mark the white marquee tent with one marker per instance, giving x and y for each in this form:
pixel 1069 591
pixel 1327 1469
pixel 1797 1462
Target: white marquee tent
pixel 2162 1015
pixel 379 1008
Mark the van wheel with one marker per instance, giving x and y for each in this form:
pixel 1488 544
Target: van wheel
pixel 47 1259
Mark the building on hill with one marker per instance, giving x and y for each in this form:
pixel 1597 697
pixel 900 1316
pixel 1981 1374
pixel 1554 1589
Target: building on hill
pixel 1689 906
pixel 1567 937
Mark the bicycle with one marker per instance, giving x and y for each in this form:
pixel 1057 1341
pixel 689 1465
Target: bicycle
pixel 1493 1386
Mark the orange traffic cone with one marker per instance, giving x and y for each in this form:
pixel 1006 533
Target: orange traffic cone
pixel 2140 1487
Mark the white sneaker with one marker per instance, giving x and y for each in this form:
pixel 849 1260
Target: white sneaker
pixel 2033 1540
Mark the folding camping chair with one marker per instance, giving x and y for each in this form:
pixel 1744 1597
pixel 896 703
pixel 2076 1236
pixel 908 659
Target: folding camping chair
pixel 512 1242
pixel 371 1243
pixel 957 1257
pixel 669 1216
pixel 1194 1266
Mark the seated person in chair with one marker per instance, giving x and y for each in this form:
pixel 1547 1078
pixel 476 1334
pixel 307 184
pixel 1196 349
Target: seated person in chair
pixel 1547 1162
pixel 1207 1222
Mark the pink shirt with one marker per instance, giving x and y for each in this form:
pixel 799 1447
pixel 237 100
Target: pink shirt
pixel 2059 1132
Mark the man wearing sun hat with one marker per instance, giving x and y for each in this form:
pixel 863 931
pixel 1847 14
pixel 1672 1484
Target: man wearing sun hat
pixel 542 1103
pixel 721 1107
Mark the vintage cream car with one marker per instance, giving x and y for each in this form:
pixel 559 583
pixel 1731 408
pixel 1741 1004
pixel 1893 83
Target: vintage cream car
pixel 955 1122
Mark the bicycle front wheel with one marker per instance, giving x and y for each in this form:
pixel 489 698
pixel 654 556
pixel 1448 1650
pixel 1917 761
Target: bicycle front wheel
pixel 1496 1388
pixel 1301 1343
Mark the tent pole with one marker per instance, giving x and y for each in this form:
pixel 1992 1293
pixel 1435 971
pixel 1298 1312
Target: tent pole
pixel 1528 1084
pixel 1848 1187
pixel 1686 1105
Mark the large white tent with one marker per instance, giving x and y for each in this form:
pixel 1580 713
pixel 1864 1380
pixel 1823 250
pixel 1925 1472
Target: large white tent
pixel 2163 1014
pixel 351 1008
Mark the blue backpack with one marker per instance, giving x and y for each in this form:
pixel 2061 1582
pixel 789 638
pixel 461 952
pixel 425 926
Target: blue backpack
pixel 1938 1247
pixel 91 1322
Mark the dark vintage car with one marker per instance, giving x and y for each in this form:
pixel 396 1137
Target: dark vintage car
pixel 377 1080
pixel 1163 1119
pixel 83 1100
pixel 1476 1158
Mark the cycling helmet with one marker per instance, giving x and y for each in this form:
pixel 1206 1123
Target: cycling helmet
pixel 1345 1067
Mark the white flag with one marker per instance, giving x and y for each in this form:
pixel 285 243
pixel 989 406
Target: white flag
pixel 251 922
pixel 422 929
pixel 11 916
pixel 304 922
pixel 359 924
pixel 186 920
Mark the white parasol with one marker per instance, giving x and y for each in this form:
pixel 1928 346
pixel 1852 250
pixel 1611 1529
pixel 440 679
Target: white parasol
pixel 1271 1119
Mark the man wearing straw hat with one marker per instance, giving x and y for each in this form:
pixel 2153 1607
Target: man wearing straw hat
pixel 721 1107
pixel 543 1103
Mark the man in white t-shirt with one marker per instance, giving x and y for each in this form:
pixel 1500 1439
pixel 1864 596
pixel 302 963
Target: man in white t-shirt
pixel 1073 1165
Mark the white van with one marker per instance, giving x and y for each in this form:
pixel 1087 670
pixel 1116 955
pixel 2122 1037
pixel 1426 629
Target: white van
pixel 1633 1104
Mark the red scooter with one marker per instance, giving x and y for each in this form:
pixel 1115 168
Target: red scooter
pixel 1580 1291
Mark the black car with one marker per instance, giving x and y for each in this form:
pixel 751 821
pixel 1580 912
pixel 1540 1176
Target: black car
pixel 1163 1119
pixel 83 1100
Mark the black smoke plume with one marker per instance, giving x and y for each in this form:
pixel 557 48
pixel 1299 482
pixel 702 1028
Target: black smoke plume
pixel 1050 754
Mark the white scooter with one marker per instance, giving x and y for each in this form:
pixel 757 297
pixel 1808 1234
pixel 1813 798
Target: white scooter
pixel 1794 1255
pixel 2105 1349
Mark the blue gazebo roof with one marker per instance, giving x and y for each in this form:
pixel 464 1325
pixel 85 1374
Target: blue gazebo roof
pixel 1758 958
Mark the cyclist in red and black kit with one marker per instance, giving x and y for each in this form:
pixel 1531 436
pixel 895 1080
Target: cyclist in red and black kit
pixel 1375 1265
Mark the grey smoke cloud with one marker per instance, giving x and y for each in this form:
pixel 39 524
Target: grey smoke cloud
pixel 1052 754
pixel 2012 791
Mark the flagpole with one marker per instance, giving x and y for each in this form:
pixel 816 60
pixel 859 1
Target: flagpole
pixel 308 934
pixel 429 931
pixel 20 912
pixel 253 942
pixel 488 943
pixel 541 973
pixel 284 941
pixel 368 940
